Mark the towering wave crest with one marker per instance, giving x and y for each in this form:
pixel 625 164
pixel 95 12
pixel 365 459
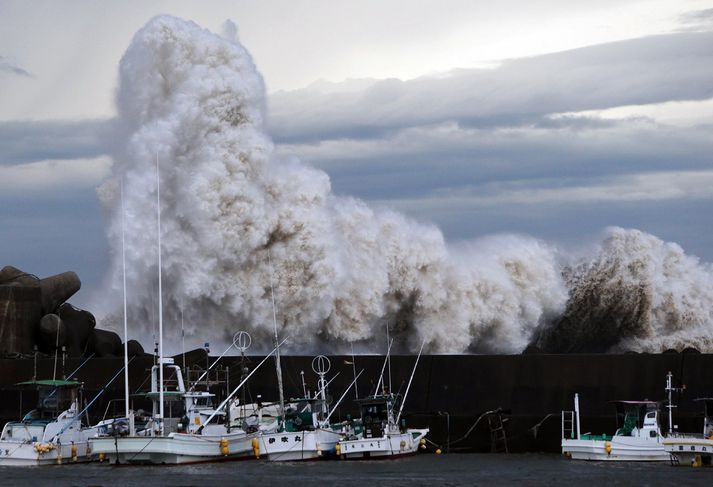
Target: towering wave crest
pixel 636 293
pixel 238 220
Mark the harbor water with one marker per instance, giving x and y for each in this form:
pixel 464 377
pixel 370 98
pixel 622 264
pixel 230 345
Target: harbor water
pixel 423 469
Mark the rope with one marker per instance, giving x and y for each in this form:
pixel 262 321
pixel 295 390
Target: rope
pixel 138 452
pixel 476 424
pixel 533 429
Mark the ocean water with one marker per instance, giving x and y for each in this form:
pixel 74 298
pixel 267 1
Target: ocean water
pixel 424 469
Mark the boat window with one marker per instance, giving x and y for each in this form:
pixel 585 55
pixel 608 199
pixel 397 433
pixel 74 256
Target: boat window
pixel 202 401
pixel 651 415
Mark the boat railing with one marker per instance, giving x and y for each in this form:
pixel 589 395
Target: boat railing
pixel 677 434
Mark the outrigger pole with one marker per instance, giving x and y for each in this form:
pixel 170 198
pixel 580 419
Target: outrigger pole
pixel 340 399
pixel 73 372
pixel 210 367
pixel 381 376
pixel 222 405
pixel 86 408
pixel 278 367
pixel 413 372
pixel 326 385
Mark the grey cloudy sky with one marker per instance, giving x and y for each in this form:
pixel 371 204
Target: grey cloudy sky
pixel 554 119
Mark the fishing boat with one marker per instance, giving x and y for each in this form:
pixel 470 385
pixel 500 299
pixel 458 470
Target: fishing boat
pixel 303 436
pixel 381 432
pixel 192 432
pixel 53 432
pixel 638 435
pixel 379 435
pixel 305 432
pixel 691 448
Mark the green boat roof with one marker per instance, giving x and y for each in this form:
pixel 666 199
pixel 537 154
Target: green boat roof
pixel 50 383
pixel 167 394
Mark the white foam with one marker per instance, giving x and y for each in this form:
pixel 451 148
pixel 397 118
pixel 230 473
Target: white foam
pixel 342 270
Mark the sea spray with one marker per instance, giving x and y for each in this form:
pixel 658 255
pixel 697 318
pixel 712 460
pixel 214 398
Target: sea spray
pixel 636 293
pixel 343 271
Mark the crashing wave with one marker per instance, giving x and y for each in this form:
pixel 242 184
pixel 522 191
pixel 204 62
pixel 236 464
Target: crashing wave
pixel 237 218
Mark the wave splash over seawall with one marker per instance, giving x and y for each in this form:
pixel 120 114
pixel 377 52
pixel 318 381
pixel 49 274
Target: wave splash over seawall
pixel 237 217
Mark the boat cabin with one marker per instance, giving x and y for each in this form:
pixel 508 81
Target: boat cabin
pixel 707 416
pixel 57 400
pixel 637 419
pixel 186 411
pixel 377 413
pixel 304 414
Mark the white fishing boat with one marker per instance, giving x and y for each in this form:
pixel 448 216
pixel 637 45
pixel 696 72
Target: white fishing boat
pixel 693 449
pixel 52 433
pixel 638 436
pixel 305 432
pixel 381 433
pixel 192 432
pixel 313 442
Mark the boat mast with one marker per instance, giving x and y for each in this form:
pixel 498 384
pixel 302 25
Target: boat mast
pixel 670 406
pixel 388 354
pixel 576 413
pixel 183 341
pixel 126 335
pixel 160 301
pixel 356 388
pixel 278 367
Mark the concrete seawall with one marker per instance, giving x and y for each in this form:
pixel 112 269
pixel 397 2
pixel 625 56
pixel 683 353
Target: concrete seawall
pixel 448 393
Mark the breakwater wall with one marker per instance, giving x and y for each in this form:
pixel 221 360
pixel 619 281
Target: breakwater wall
pixel 448 394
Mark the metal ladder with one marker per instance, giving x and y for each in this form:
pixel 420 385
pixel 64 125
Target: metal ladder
pixel 498 436
pixel 568 424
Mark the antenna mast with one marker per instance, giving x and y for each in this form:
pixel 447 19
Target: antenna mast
pixel 160 300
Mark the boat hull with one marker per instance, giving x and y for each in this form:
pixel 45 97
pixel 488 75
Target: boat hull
pixel 391 445
pixel 696 452
pixel 174 449
pixel 618 449
pixel 31 454
pixel 299 445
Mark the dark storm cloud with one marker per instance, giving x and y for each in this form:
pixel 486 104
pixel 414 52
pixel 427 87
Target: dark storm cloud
pixel 11 68
pixel 28 141
pixel 520 92
pixel 419 160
